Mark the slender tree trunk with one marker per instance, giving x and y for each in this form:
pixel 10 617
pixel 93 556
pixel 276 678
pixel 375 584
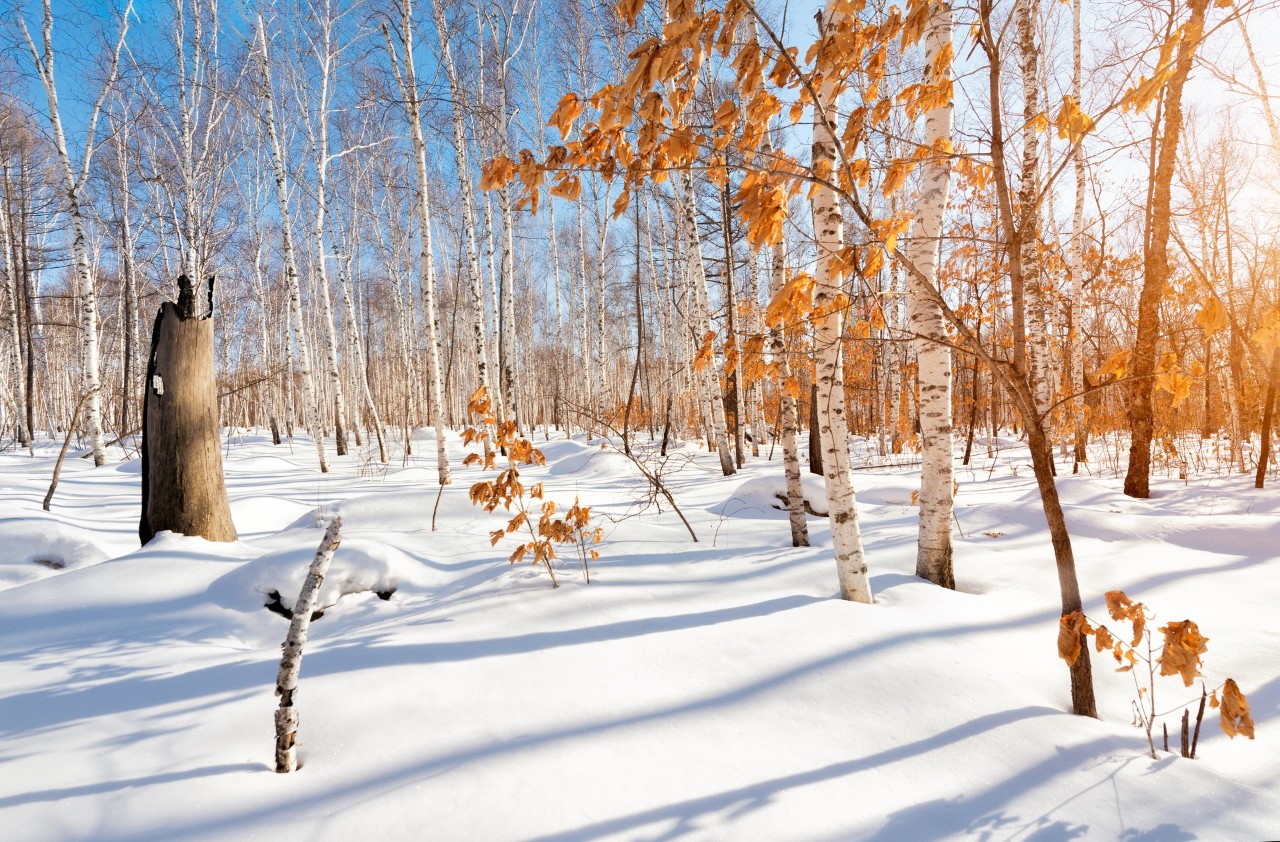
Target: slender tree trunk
pixel 468 203
pixel 933 353
pixel 73 185
pixel 828 226
pixel 311 398
pixel 1027 13
pixel 1156 269
pixel 426 257
pixel 12 306
pixel 789 388
pixel 1264 453
pixel 286 717
pixel 1076 259
pixel 733 352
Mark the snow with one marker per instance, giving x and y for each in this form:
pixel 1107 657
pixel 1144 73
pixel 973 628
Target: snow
pixel 709 690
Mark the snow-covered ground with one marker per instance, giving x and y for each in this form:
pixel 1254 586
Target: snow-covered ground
pixel 709 690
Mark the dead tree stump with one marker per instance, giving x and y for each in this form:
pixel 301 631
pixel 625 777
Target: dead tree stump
pixel 182 486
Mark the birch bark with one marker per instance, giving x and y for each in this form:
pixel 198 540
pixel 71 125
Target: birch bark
pixel 317 126
pixel 1026 14
pixel 1075 337
pixel 933 353
pixel 11 302
pixel 73 185
pixel 310 398
pixel 828 226
pixel 286 717
pixel 408 81
pixel 468 201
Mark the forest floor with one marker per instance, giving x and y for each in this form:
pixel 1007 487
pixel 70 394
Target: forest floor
pixel 709 690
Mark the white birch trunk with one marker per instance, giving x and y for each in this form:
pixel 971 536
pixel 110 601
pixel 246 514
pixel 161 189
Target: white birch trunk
pixel 15 351
pixel 789 387
pixel 291 663
pixel 426 256
pixel 828 226
pixel 585 400
pixel 933 556
pixel 73 185
pixel 1026 14
pixel 710 374
pixel 318 134
pixel 1076 338
pixel 310 399
pixel 468 202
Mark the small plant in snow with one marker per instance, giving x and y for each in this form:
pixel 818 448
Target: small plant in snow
pixel 508 491
pixel 1179 654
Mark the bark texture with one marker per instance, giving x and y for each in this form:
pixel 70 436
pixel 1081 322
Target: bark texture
pixel 291 662
pixel 937 482
pixel 833 429
pixel 1156 269
pixel 182 487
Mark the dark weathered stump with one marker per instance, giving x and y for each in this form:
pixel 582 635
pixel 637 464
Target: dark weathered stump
pixel 182 487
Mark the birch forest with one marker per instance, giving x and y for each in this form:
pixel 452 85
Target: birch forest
pixel 843 325
pixel 629 222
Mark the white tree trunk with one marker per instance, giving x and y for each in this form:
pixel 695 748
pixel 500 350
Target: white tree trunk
pixel 933 556
pixel 705 332
pixel 426 256
pixel 1026 14
pixel 1076 339
pixel 468 201
pixel 73 185
pixel 15 352
pixel 828 226
pixel 311 408
pixel 290 664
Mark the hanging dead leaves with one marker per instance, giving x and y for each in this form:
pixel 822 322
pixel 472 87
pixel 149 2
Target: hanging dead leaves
pixel 1180 653
pixel 539 540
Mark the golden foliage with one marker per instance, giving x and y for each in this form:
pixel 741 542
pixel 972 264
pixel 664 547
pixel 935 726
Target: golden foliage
pixel 1267 336
pixel 1212 316
pixel 1071 628
pixel 1120 607
pixel 1115 366
pixel 1183 646
pixel 1234 712
pixel 1073 124
pixel 1176 384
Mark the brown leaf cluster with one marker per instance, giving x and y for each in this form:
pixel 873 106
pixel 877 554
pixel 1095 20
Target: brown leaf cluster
pixel 1234 711
pixel 1183 647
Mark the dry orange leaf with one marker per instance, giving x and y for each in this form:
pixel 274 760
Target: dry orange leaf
pixel 1212 316
pixel 1235 711
pixel 1183 646
pixel 1070 629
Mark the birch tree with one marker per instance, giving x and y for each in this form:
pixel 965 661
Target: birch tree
pixel 458 96
pixel 405 69
pixel 829 288
pixel 310 397
pixel 73 184
pixel 933 351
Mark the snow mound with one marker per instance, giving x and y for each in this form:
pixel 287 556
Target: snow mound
pixel 259 465
pixel 359 565
pixel 35 549
pixel 760 494
pixel 260 514
pixel 562 448
pixel 592 464
pixel 399 511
